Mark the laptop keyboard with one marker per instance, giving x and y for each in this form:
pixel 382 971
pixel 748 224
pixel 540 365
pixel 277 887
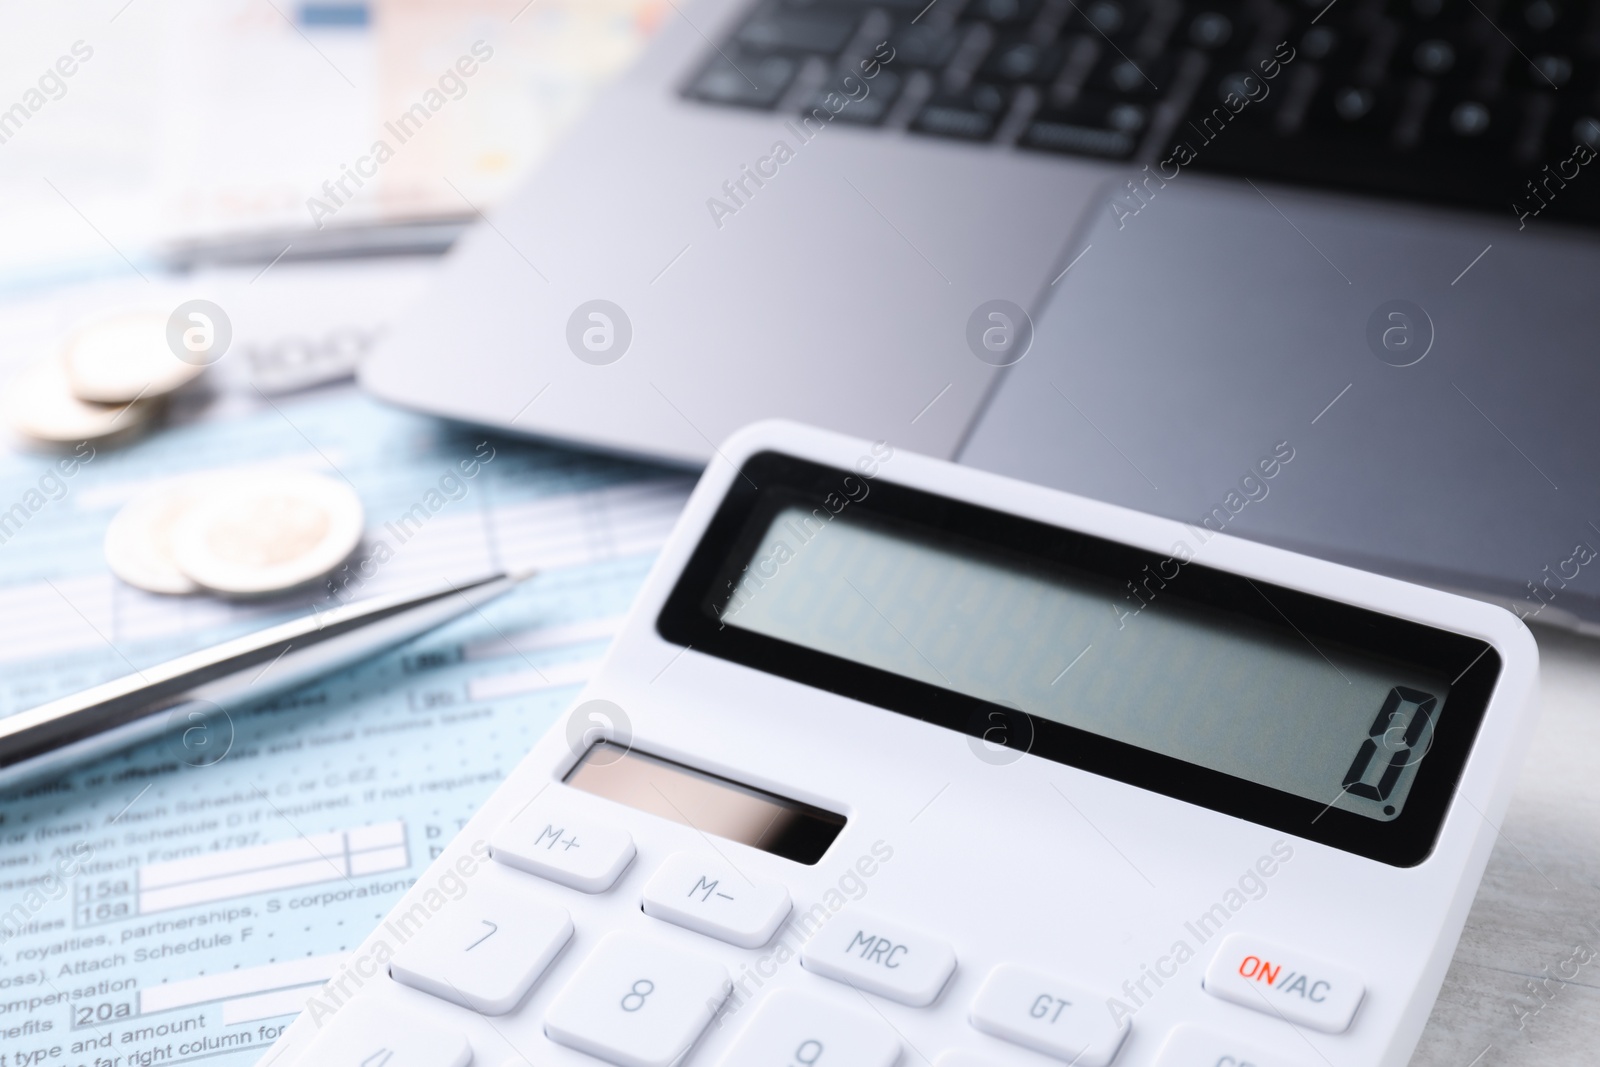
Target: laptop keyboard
pixel 1475 103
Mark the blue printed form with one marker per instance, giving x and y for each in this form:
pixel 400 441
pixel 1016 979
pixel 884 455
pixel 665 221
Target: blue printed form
pixel 180 902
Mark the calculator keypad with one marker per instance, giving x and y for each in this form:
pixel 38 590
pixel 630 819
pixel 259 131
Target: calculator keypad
pixel 881 957
pixel 1284 982
pixel 574 852
pixel 637 1002
pixel 1048 1015
pixel 714 899
pixel 363 1035
pixel 793 1028
pixel 485 951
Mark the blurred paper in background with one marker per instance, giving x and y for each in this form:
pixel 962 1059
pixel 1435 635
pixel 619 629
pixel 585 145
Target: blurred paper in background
pixel 196 119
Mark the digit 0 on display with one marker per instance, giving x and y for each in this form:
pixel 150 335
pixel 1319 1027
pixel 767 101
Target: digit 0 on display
pixel 1399 729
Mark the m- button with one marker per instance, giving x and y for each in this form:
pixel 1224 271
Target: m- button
pixel 1284 982
pixel 716 900
pixel 881 957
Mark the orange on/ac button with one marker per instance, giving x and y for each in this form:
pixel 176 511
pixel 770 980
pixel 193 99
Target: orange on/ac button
pixel 1282 981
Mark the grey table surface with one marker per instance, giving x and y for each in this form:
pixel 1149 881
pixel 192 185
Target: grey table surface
pixel 1524 986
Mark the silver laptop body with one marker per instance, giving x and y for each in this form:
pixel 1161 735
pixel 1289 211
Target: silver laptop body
pixel 1067 298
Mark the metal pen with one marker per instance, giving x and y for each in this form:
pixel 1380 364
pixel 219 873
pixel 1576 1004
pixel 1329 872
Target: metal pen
pixel 190 691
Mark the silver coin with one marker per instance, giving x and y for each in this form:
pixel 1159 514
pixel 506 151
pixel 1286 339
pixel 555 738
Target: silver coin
pixel 124 357
pixel 268 532
pixel 39 405
pixel 138 542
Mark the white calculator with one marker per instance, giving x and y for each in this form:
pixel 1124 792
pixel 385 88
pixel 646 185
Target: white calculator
pixel 899 762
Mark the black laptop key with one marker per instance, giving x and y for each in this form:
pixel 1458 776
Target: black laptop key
pixel 1210 30
pixel 1545 19
pixel 1117 21
pixel 1434 57
pixel 1022 61
pixel 849 97
pixel 1001 12
pixel 1548 70
pixel 747 81
pixel 925 45
pixel 1116 75
pixel 1473 132
pixel 1320 43
pixel 1422 12
pixel 1348 113
pixel 1090 126
pixel 817 30
pixel 972 115
pixel 1235 98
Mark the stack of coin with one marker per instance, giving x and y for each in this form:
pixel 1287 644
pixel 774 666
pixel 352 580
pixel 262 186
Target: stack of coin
pixel 246 535
pixel 107 382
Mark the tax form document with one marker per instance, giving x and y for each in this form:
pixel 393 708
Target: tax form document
pixel 180 902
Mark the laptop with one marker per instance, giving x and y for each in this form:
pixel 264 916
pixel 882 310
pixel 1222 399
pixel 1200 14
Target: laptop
pixel 1318 274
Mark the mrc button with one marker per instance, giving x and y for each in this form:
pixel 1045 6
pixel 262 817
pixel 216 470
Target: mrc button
pixel 1284 982
pixel 880 956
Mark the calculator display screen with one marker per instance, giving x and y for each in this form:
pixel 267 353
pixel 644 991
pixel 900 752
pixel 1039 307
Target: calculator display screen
pixel 1322 721
pixel 1305 713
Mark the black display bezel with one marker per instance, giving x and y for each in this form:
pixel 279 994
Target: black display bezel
pixel 772 480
